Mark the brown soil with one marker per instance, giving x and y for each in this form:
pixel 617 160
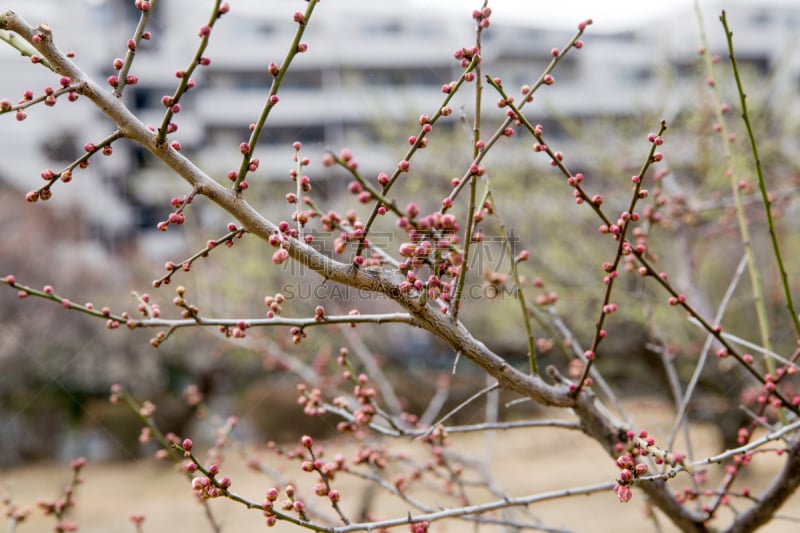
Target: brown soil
pixel 526 461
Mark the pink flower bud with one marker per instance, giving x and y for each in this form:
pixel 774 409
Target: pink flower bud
pixel 280 256
pixel 624 494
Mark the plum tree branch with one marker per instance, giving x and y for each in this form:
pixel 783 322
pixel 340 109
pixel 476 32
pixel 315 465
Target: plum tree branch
pixel 380 281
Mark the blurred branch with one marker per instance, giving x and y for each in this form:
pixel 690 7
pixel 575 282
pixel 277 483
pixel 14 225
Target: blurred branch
pixel 762 184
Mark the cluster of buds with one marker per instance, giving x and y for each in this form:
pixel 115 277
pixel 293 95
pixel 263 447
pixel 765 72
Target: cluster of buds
pixel 239 331
pixel 433 243
pixel 285 231
pixel 311 400
pixel 177 217
pixel 330 221
pixel 50 176
pixel 252 165
pixel 147 308
pixel 544 298
pixel 305 181
pixel 375 457
pixel 114 80
pixel 273 304
pixel 420 527
pixel 346 158
pixel 290 504
pixel 311 460
pixel 465 55
pixel 631 463
pixel 188 310
pixel 353 234
pixel 482 17
pixel 298 334
pixel 357 189
pixel 206 487
pixel 302 217
pixel 364 394
pixel 49 98
pixel 59 507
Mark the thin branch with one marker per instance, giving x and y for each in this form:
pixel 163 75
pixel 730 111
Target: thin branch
pixel 138 34
pixel 477 509
pixel 728 454
pixel 373 369
pixel 752 346
pixel 25 49
pixel 683 407
pixel 459 407
pixel 295 47
pixel 437 402
pixel 503 426
pixel 476 137
pixel 756 285
pixel 762 183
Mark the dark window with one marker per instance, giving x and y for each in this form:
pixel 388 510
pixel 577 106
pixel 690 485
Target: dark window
pixel 757 63
pixel 303 79
pixel 289 134
pixel 382 28
pixel 61 147
pixel 148 97
pixel 378 76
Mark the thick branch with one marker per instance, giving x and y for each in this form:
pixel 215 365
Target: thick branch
pixel 598 425
pixel 781 488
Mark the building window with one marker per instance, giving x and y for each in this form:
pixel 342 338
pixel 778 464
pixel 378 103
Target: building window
pixel 384 28
pixel 282 135
pixel 399 76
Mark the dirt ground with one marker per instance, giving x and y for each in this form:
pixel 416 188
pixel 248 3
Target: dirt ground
pixel 525 461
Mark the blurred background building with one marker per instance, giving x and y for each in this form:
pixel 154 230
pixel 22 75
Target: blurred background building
pixel 366 68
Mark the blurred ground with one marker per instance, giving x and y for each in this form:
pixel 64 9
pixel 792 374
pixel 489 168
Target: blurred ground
pixel 525 461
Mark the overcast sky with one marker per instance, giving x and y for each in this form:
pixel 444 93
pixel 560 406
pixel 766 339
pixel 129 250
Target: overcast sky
pixel 608 15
